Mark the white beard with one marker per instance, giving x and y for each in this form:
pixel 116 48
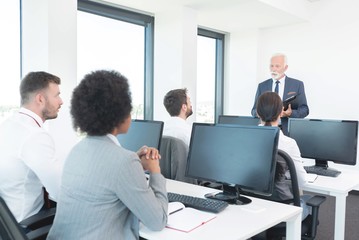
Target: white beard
pixel 275 75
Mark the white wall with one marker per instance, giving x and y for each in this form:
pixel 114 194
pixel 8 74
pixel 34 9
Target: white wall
pixel 49 44
pixel 240 72
pixel 175 55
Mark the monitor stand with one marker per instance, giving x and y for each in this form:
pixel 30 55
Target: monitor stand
pixel 230 194
pixel 321 168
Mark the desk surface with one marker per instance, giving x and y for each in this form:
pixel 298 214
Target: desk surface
pixel 348 180
pixel 235 222
pixel 342 184
pixel 339 187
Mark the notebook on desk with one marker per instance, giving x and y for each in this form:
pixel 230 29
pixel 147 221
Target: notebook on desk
pixel 186 219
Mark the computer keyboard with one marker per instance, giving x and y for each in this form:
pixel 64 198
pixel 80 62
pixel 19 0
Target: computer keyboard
pixel 322 171
pixel 204 204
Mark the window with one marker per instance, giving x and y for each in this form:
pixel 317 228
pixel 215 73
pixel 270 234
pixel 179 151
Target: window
pixel 10 57
pixel 210 61
pixel 113 38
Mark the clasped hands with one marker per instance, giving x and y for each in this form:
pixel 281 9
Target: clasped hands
pixel 149 159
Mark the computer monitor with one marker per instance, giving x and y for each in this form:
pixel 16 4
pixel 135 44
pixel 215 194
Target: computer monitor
pixel 325 140
pixel 241 120
pixel 140 133
pixel 242 158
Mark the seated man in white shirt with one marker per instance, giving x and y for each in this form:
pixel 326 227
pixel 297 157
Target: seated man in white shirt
pixel 178 105
pixel 27 162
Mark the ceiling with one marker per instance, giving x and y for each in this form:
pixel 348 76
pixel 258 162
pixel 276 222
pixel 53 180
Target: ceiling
pixel 232 15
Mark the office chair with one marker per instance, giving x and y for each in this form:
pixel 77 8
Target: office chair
pixel 39 225
pixel 173 161
pixel 310 223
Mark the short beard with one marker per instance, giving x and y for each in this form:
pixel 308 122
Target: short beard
pixel 46 113
pixel 189 113
pixel 47 116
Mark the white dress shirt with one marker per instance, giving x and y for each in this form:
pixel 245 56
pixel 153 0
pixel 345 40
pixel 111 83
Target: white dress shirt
pixel 27 163
pixel 178 128
pixel 289 145
pixel 280 86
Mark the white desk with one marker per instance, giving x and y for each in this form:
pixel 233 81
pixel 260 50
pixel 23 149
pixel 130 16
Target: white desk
pixel 235 222
pixel 339 187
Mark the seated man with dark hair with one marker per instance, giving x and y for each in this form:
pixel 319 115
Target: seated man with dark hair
pixel 178 105
pixel 28 160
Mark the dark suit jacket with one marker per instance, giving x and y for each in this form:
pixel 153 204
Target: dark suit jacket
pixel 292 87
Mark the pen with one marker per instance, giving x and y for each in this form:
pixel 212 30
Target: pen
pixel 176 211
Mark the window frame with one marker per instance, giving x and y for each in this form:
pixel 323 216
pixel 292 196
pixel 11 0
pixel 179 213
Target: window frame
pixel 147 22
pixel 219 71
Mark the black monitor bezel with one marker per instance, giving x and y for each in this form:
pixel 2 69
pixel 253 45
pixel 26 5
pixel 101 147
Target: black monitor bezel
pixel 323 162
pixel 160 123
pixel 242 189
pixel 237 117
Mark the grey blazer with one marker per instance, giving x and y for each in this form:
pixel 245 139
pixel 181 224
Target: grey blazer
pixel 292 87
pixel 105 195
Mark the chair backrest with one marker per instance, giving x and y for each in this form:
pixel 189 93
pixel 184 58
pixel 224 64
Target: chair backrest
pixel 37 226
pixel 173 161
pixel 286 190
pixel 9 227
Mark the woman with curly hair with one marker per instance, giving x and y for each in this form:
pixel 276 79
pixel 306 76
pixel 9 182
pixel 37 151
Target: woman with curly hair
pixel 104 192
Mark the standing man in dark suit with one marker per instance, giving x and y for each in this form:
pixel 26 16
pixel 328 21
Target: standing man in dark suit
pixel 286 87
